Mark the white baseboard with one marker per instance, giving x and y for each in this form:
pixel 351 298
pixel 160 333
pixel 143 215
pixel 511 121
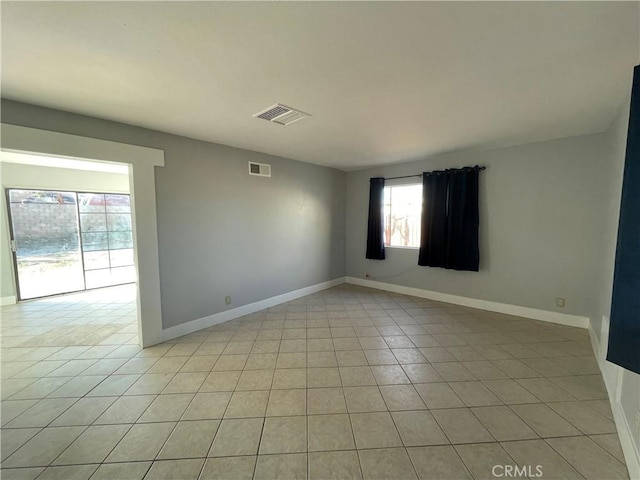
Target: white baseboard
pixel 10 300
pixel 526 312
pixel 215 319
pixel 612 375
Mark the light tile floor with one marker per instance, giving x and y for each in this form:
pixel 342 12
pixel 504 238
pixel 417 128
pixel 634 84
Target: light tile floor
pixel 347 383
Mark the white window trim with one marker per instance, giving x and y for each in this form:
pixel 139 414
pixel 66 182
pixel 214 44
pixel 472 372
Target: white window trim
pixel 402 182
pixel 141 162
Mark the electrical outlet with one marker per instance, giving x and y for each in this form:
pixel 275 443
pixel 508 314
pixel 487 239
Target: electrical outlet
pixel 638 420
pixel 560 302
pixel 227 300
pixel 366 275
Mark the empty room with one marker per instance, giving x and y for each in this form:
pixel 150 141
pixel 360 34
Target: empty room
pixel 320 240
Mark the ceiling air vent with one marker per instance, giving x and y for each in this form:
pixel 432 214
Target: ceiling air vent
pixel 281 114
pixel 259 169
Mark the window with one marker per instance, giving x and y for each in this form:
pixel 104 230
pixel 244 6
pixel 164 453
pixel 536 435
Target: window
pixel 402 210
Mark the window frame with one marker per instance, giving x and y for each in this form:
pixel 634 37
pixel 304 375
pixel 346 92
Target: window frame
pixel 403 182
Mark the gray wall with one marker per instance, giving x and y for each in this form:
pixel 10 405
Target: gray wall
pixel 220 231
pixel 538 232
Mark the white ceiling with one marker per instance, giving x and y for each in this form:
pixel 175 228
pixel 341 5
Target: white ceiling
pixel 383 81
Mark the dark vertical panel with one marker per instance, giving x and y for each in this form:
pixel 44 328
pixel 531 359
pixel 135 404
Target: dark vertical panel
pixel 433 236
pixel 375 227
pixel 624 332
pixel 463 220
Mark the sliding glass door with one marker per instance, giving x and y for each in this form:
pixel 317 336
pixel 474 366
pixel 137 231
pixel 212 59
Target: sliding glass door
pixel 65 242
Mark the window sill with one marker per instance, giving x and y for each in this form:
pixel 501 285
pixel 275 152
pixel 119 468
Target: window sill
pixel 402 248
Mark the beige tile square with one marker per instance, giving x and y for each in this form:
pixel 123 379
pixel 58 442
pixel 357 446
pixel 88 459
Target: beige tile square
pixel 122 471
pixel 235 348
pixel 438 462
pixel 255 380
pixel 461 426
pixel 247 404
pixel 261 361
pixel 230 362
pixel 200 363
pixel 372 342
pixel 190 440
pixel 510 392
pixel 588 458
pixel 351 358
pixel 390 375
pixel 544 421
pixel 171 469
pixel 503 424
pixel 84 412
pixel 284 435
pixel 229 468
pixel 150 384
pixel 481 459
pixel 292 466
pixel 421 373
pixel 167 365
pixel 68 472
pixel 330 432
pixel 167 408
pixel 283 403
pixel 319 344
pixel 325 401
pixel 185 383
pixel 321 359
pixel 611 443
pixel 438 395
pixel 453 372
pixel 206 406
pixel 334 465
pixel 386 463
pixel 401 397
pixel 583 417
pixel 142 442
pixel 418 428
pixel 474 394
pixel 295 345
pixel 346 343
pixel 14 439
pixel 43 448
pixel 291 360
pixel 538 452
pixel 126 409
pixel 289 378
pixel 356 376
pixel 220 382
pixel 114 385
pixel 364 399
pixel 323 377
pixel 237 437
pixel 374 430
pixel 42 413
pixel 93 445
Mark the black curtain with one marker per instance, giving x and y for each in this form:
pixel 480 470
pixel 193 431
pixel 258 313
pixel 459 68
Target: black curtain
pixel 433 229
pixel 624 330
pixel 375 227
pixel 463 219
pixel 450 219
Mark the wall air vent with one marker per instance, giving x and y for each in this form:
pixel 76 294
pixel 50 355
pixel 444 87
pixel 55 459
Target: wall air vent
pixel 281 114
pixel 259 169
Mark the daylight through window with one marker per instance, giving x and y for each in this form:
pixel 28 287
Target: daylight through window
pixel 402 210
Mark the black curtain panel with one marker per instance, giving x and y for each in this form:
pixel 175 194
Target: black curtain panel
pixel 433 230
pixel 462 220
pixel 375 227
pixel 450 219
pixel 624 329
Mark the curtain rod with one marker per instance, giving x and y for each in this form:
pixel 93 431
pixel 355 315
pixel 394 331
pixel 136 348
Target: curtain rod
pixel 419 175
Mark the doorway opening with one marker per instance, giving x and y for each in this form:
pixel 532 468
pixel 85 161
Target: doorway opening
pixel 68 241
